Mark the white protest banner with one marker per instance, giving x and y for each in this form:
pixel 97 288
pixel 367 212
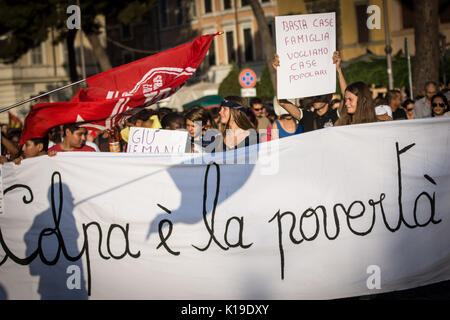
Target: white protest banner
pixel 1 190
pixel 157 141
pixel 305 46
pixel 351 211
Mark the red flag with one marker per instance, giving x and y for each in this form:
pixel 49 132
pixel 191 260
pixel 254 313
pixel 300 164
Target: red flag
pixel 14 122
pixel 116 94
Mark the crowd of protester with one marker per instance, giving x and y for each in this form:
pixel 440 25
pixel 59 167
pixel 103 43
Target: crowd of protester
pixel 239 122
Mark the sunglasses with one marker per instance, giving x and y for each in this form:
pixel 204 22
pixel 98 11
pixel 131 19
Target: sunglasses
pixel 411 109
pixel 257 109
pixel 442 105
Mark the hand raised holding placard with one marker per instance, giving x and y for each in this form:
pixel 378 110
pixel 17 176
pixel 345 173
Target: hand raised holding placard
pixel 337 61
pixel 276 61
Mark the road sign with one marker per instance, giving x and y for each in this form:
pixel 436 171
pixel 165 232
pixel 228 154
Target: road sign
pixel 247 78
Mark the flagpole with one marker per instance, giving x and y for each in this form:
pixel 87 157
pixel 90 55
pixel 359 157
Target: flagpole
pixel 41 95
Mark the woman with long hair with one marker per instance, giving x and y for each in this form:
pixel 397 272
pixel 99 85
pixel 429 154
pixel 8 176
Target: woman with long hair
pixel 237 129
pixel 358 106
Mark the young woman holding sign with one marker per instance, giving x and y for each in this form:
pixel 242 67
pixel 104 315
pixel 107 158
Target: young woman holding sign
pixel 358 106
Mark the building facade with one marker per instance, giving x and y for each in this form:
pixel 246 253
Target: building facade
pixel 42 69
pixel 174 22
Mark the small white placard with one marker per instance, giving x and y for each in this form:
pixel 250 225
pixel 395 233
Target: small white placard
pixel 248 92
pixel 305 46
pixel 157 141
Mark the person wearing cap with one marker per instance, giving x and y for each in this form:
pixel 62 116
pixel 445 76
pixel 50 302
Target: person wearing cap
pixel 237 129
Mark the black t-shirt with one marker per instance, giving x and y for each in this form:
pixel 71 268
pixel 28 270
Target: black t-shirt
pixel 399 114
pixel 312 121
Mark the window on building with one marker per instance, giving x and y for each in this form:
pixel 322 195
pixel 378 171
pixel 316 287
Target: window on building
pixel 27 89
pixel 227 4
pixel 192 9
pixel 245 3
pixel 444 11
pixel 408 15
pixel 212 54
pixel 272 30
pixel 208 6
pixel 36 55
pixel 127 57
pixel 248 44
pixel 179 10
pixel 65 52
pixel 163 13
pixel 264 1
pixel 231 53
pixel 126 33
pixel 270 25
pixel 361 18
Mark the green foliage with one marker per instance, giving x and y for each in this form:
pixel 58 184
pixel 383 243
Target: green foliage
pixel 135 10
pixel 445 67
pixel 264 87
pixel 375 72
pixel 24 24
pixel 230 85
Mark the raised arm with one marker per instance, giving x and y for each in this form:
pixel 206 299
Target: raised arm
pixel 289 107
pixel 337 61
pixel 13 150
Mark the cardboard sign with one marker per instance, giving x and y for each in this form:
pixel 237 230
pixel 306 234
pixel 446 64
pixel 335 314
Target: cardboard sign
pixel 157 141
pixel 305 46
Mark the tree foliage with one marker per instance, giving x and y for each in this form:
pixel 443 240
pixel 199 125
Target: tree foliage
pixel 24 25
pixel 230 84
pixel 264 87
pixel 375 72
